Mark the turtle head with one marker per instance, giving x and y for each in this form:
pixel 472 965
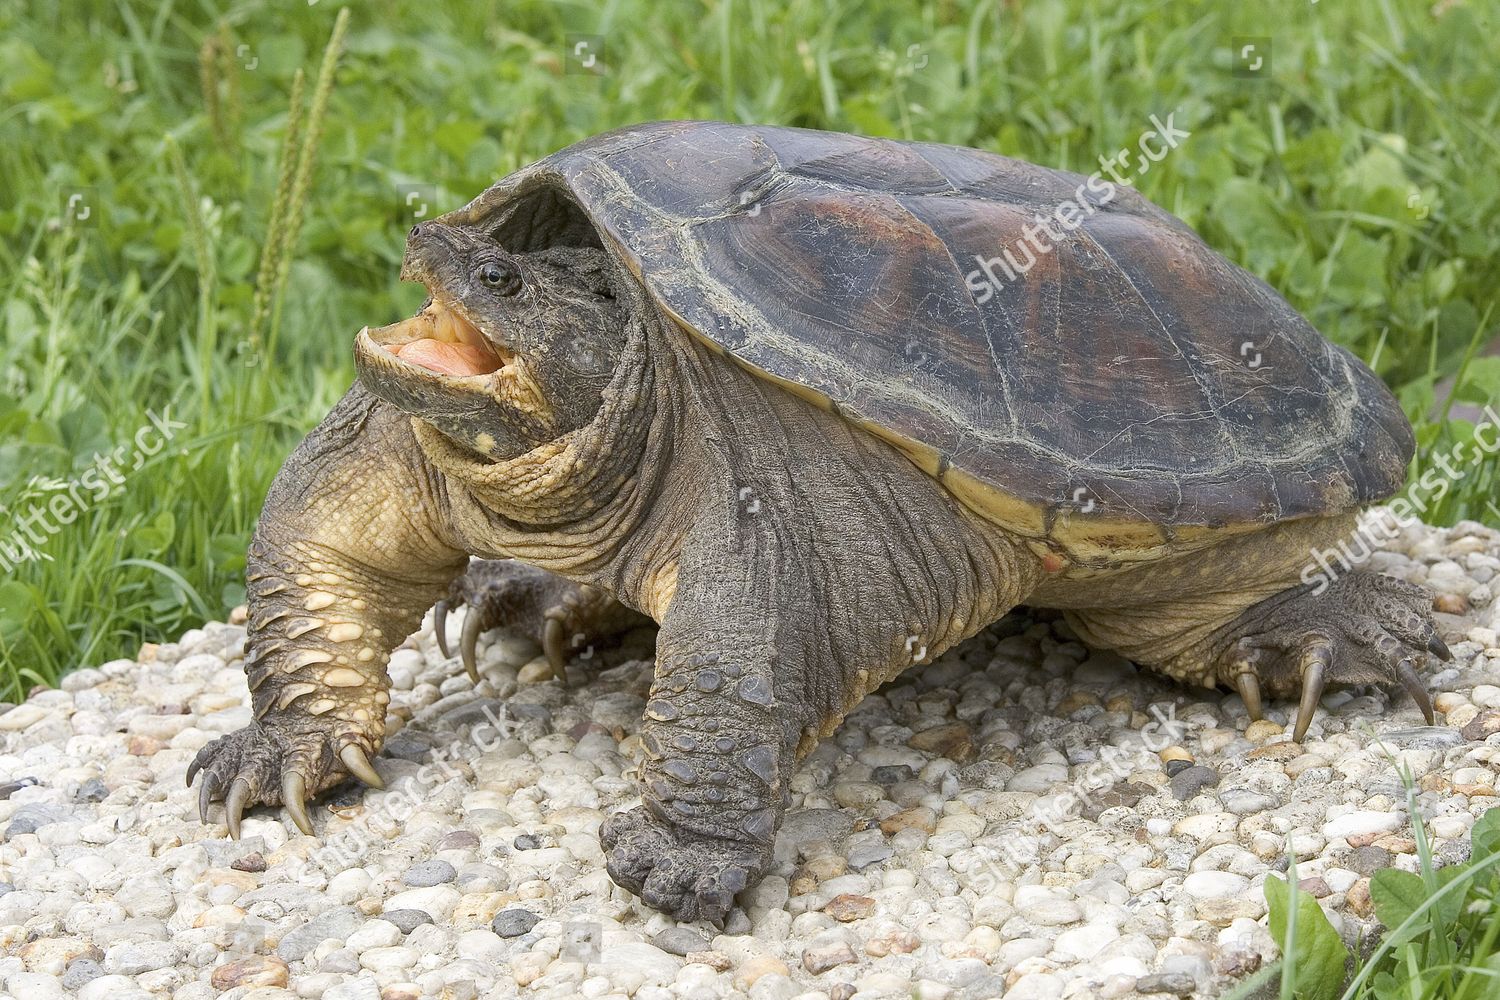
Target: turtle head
pixel 511 350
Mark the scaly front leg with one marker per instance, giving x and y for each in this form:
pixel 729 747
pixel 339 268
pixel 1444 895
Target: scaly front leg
pixel 722 726
pixel 347 557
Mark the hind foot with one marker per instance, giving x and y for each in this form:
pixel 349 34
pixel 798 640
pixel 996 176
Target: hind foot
pixel 565 618
pixel 1364 628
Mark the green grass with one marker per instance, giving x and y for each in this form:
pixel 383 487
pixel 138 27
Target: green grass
pixel 1356 174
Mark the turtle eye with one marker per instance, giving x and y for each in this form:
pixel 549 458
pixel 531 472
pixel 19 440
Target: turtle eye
pixel 502 279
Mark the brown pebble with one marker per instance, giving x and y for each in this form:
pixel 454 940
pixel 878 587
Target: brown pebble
pixel 147 653
pixel 1262 730
pixel 898 941
pixel 920 817
pixel 849 906
pixel 143 746
pixel 1397 844
pixel 1451 604
pixel 1175 753
pixel 826 866
pixel 401 991
pixel 253 970
pixel 802 883
pixel 1484 725
pixel 1314 887
pixel 842 991
pixel 1474 791
pixel 820 959
pixel 1281 752
pixel 1074 701
pixel 953 740
pixel 1120 703
pixel 239 615
pixel 1447 701
pixel 252 862
pixel 716 960
pixel 1357 840
pixel 1358 898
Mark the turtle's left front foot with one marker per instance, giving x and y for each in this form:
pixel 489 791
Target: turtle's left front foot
pixel 1364 628
pixel 686 875
pixel 562 617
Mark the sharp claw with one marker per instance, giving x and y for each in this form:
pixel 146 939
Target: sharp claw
pixel 357 764
pixel 1249 688
pixel 234 805
pixel 554 646
pixel 469 643
pixel 1418 691
pixel 440 627
pixel 192 771
pixel 293 796
pixel 1437 647
pixel 206 796
pixel 1312 691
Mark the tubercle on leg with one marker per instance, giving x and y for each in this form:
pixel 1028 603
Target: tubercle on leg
pixel 716 757
pixel 319 636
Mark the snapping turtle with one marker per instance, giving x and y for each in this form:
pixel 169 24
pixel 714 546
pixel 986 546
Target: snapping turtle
pixel 743 381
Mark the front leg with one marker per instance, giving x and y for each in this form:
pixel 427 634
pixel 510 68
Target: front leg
pixel 722 726
pixel 347 557
pixel 785 616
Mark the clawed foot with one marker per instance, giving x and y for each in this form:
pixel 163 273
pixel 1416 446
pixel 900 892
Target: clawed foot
pixel 1365 628
pixel 562 617
pixel 259 765
pixel 686 875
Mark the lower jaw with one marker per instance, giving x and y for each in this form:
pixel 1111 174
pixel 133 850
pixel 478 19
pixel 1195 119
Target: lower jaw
pixel 464 409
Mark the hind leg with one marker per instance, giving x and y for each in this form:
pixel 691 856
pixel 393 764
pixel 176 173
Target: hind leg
pixel 563 617
pixel 1362 628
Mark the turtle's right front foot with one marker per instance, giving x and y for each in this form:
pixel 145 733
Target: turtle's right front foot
pixel 562 617
pixel 274 764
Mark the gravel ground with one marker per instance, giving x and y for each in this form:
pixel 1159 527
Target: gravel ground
pixel 1021 816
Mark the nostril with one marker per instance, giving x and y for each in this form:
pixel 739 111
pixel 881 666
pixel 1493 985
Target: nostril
pixel 415 232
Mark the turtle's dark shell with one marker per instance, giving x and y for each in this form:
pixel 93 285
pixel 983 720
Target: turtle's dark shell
pixel 1130 387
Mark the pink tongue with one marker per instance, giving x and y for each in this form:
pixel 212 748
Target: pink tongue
pixel 446 358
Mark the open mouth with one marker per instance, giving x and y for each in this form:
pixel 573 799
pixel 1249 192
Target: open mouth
pixel 440 340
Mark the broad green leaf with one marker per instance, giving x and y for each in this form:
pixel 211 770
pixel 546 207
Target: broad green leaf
pixel 1485 837
pixel 1317 951
pixel 1248 214
pixel 1397 895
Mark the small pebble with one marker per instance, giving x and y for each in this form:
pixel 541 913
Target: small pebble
pixel 514 923
pixel 407 920
pixel 429 873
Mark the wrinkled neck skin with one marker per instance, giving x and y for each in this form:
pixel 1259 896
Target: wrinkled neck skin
pixel 581 505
